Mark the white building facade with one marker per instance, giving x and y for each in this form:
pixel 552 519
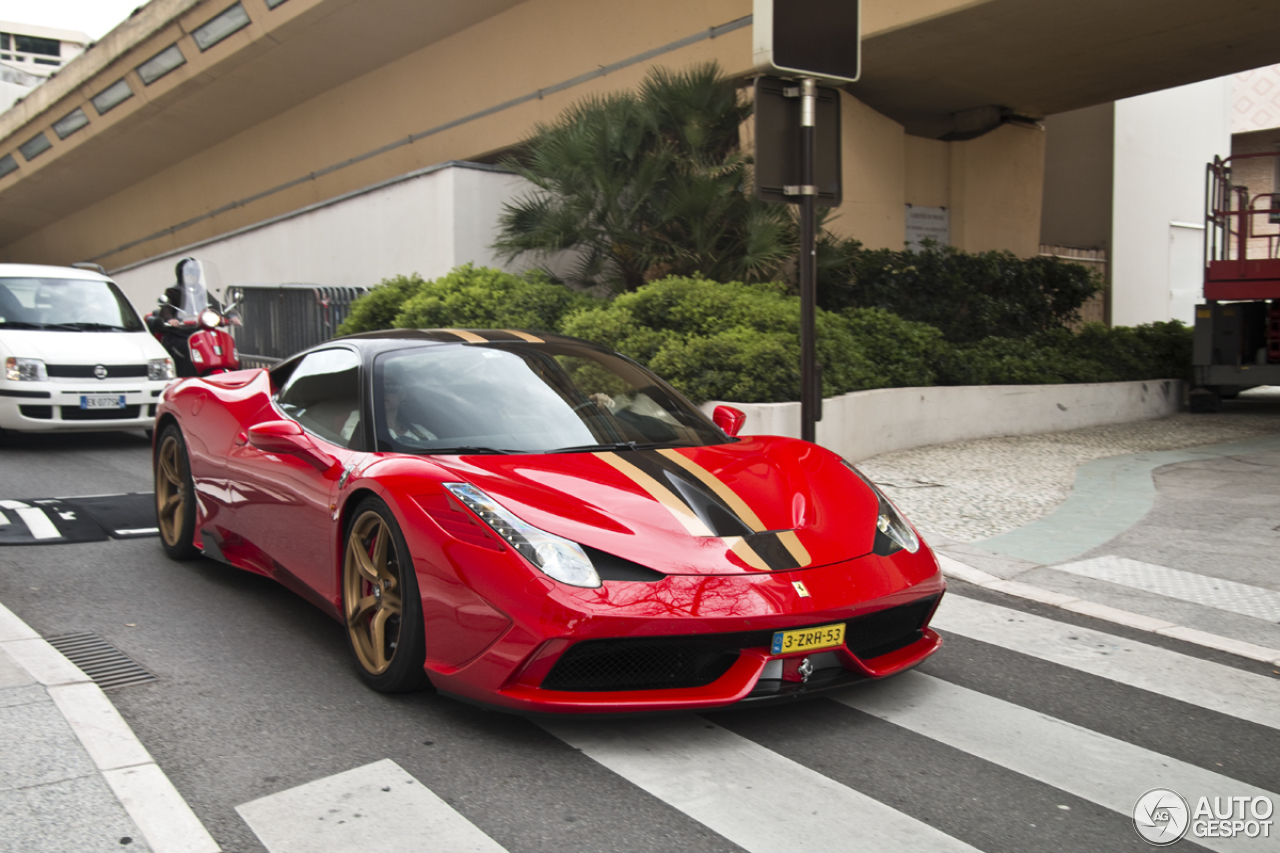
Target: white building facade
pixel 29 55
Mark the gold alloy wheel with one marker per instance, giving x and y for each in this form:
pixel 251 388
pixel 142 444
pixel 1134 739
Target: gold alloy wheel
pixel 171 492
pixel 371 592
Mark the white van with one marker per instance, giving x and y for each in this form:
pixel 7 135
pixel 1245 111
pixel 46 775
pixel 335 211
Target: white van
pixel 76 355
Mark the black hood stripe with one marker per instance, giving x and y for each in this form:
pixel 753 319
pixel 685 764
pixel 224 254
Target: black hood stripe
pixel 691 492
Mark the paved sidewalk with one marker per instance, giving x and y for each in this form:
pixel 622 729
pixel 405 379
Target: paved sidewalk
pixel 73 778
pixel 1178 538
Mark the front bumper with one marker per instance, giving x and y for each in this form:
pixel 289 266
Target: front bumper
pixel 635 658
pixel 59 406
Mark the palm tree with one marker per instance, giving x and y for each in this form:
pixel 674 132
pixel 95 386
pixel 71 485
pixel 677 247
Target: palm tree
pixel 645 185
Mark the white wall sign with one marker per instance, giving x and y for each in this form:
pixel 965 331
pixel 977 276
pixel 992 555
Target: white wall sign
pixel 927 223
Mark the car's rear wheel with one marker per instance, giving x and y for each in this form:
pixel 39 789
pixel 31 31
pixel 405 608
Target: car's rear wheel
pixel 380 602
pixel 175 496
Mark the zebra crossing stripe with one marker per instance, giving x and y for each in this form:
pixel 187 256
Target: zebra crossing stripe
pixel 756 798
pixel 379 804
pixel 1093 766
pixel 1198 682
pixel 1185 586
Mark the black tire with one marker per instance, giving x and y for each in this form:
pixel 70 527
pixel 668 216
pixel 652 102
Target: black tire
pixel 381 608
pixel 175 495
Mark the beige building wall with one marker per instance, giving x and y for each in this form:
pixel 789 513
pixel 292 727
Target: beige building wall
pixel 928 168
pixel 874 171
pixel 1079 166
pixel 997 183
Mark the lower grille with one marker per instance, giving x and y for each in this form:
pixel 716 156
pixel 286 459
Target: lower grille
pixel 888 630
pixel 75 413
pixel 656 663
pixel 43 413
pixel 651 663
pixel 86 371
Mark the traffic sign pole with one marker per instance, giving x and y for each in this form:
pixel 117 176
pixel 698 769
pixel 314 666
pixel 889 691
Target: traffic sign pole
pixel 810 391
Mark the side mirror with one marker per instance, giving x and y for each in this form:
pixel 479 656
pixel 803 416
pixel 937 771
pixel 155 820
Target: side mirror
pixel 729 419
pixel 287 437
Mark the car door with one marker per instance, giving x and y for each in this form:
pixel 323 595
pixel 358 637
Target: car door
pixel 288 512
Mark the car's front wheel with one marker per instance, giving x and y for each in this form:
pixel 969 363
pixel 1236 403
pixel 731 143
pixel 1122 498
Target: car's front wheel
pixel 175 495
pixel 380 602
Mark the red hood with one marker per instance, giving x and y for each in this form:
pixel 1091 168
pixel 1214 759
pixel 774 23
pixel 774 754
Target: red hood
pixel 762 503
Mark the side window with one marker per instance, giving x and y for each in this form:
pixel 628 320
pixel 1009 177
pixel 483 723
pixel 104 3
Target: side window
pixel 323 395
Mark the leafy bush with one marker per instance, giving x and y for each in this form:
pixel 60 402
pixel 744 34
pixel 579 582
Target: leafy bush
pixel 741 342
pixel 968 297
pixel 1096 354
pixel 482 298
pixel 378 308
pixel 467 297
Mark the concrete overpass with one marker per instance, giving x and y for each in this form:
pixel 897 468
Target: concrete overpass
pixel 198 117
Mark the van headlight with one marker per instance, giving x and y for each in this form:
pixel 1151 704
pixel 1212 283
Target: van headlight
pixel 160 368
pixel 559 558
pixel 25 370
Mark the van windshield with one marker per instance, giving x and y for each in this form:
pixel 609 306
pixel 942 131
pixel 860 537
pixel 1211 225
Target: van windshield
pixel 65 304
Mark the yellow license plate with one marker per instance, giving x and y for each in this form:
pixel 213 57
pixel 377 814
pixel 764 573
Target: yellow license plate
pixel 822 637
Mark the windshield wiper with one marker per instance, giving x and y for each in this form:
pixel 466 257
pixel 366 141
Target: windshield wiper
pixel 22 324
pixel 86 327
pixel 616 445
pixel 465 450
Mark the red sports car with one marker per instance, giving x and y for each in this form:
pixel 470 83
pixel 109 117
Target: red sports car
pixel 539 524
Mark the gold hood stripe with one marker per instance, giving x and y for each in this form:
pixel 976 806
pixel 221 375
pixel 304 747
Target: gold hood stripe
pixel 711 481
pixel 659 493
pixel 525 336
pixel 469 337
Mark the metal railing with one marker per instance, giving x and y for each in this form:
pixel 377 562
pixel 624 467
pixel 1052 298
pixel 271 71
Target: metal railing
pixel 282 319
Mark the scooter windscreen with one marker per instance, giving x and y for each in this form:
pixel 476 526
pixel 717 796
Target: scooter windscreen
pixel 191 293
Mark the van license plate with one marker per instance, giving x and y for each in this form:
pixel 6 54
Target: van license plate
pixel 102 401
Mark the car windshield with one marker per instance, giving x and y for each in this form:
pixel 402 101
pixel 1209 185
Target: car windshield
pixel 527 398
pixel 65 304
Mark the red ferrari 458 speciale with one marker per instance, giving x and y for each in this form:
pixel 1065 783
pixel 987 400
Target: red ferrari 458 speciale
pixel 535 523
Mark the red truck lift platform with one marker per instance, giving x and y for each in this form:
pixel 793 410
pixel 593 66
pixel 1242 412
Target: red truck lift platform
pixel 1237 332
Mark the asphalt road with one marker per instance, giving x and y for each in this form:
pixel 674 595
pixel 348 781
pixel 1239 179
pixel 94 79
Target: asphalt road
pixel 255 696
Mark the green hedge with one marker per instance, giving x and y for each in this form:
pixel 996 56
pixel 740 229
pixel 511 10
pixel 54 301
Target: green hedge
pixel 740 342
pixel 469 297
pixel 969 297
pixel 1096 354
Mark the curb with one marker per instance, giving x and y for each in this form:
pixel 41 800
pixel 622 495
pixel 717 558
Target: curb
pixel 951 567
pixel 163 817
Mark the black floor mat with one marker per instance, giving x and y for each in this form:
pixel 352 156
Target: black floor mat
pixel 48 521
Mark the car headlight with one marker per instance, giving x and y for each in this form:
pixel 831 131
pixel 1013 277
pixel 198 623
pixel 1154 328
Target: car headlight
pixel 25 370
pixel 160 368
pixel 893 533
pixel 558 558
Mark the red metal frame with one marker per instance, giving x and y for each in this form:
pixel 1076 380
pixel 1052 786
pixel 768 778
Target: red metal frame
pixel 1236 266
